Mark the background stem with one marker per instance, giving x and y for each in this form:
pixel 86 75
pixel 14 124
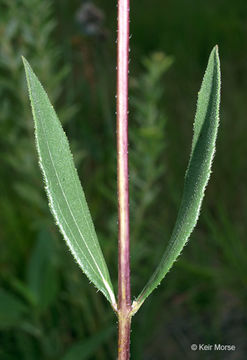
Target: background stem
pixel 124 295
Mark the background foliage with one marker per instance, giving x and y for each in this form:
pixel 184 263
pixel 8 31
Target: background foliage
pixel 47 308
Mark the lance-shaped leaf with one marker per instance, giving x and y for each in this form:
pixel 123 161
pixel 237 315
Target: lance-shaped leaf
pixel 66 196
pixel 197 174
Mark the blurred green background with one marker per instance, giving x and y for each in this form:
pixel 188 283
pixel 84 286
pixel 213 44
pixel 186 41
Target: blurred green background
pixel 48 310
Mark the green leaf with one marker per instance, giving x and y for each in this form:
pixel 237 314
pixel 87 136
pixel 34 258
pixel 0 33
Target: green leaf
pixel 197 174
pixel 12 310
pixel 66 197
pixel 42 274
pixel 86 349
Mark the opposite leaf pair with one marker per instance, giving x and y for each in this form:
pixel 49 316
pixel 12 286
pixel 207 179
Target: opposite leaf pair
pixel 67 199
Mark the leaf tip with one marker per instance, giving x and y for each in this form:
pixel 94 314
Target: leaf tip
pixel 24 60
pixel 27 67
pixel 215 52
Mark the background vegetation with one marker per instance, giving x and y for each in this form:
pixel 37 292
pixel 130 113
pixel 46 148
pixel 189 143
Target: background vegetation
pixel 47 308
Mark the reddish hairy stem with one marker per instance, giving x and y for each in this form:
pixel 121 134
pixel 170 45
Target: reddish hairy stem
pixel 124 324
pixel 122 148
pixel 124 295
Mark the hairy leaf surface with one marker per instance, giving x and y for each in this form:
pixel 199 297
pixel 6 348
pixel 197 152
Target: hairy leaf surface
pixel 66 196
pixel 197 174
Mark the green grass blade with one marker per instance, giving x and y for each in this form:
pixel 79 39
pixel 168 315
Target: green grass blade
pixel 197 174
pixel 13 310
pixel 66 196
pixel 87 349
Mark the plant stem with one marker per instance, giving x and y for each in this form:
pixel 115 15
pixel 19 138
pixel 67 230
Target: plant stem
pixel 124 295
pixel 124 323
